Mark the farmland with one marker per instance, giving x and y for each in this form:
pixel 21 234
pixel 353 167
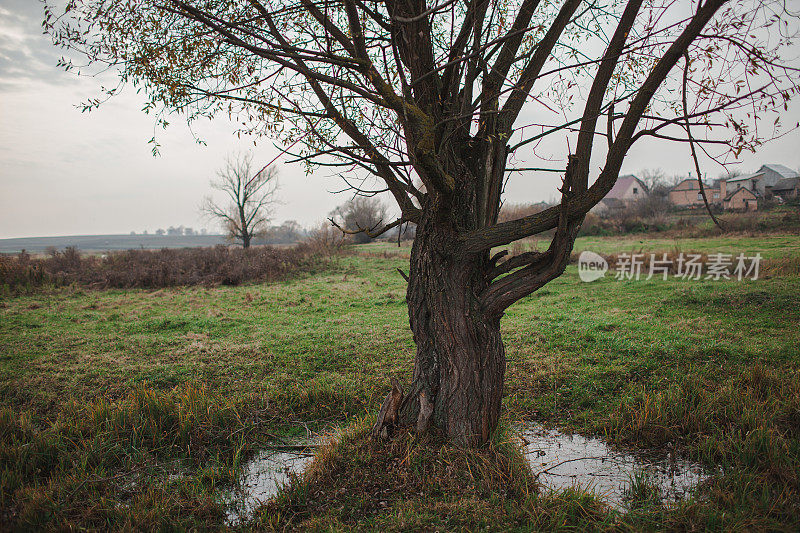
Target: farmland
pixel 128 408
pixel 104 243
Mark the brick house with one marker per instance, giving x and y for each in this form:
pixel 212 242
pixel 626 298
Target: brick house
pixel 742 199
pixel 687 193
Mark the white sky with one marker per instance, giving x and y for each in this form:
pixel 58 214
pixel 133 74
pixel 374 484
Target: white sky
pixel 67 173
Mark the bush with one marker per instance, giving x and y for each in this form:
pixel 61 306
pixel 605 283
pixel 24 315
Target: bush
pixel 619 224
pixel 327 239
pixel 152 269
pixel 515 211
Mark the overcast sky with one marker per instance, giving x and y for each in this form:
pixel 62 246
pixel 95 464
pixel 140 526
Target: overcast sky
pixel 67 173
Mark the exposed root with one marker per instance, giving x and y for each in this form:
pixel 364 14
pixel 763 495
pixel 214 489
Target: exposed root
pixel 388 415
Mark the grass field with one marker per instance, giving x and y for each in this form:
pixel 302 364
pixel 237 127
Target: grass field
pixel 769 246
pixel 129 409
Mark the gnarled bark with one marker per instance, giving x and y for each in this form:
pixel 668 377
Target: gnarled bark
pixel 458 375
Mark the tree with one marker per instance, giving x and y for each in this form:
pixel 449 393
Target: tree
pixel 655 206
pixel 251 197
pixel 326 238
pixel 287 233
pixel 360 217
pixel 732 173
pixel 657 182
pixel 445 93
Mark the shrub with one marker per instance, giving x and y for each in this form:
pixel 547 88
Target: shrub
pixel 327 239
pixel 220 265
pixel 515 211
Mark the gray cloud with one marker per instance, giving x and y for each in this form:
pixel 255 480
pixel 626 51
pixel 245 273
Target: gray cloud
pixel 26 54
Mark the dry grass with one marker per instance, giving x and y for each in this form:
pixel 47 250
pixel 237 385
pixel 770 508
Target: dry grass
pixel 747 426
pixel 220 265
pixel 695 223
pixel 782 266
pixel 130 462
pixel 407 483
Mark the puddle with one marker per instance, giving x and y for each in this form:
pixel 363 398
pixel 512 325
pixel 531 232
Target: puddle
pixel 263 475
pixel 562 461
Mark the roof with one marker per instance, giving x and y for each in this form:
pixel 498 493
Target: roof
pixel 784 171
pixel 622 185
pixel 694 181
pixel 745 177
pixel 745 189
pixel 786 184
pixel 684 181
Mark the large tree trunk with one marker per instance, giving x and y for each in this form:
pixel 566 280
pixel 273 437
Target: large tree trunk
pixel 460 363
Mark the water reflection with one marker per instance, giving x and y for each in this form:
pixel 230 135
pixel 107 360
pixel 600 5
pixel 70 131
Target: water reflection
pixel 559 460
pixel 263 475
pixel 562 461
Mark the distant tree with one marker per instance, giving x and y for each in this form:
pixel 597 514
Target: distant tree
pixel 251 197
pixel 730 174
pixel 189 231
pixel 405 232
pixel 288 232
pixel 653 207
pixel 326 237
pixel 360 217
pixel 292 227
pixel 172 230
pixel 657 182
pixel 160 231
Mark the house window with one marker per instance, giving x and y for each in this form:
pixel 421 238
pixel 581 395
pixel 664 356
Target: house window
pixel 635 190
pixel 716 195
pixel 699 196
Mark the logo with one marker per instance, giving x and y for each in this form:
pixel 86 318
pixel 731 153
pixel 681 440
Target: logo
pixel 591 266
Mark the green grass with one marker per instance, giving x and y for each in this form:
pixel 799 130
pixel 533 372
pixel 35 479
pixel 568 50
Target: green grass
pixel 769 246
pixel 128 409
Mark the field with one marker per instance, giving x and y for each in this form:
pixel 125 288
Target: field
pixel 105 243
pixel 131 408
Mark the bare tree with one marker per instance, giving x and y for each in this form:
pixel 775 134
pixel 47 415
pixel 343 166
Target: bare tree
pixel 327 238
pixel 287 233
pixel 657 181
pixel 655 206
pixel 731 173
pixel 360 217
pixel 250 197
pixel 445 93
